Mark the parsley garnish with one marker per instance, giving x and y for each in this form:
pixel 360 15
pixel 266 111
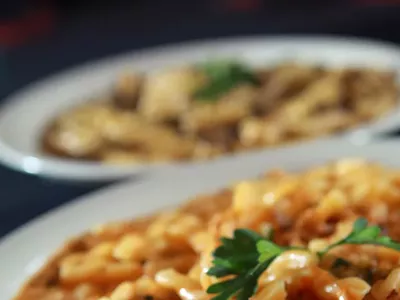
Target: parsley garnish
pixel 364 234
pixel 223 76
pixel 247 255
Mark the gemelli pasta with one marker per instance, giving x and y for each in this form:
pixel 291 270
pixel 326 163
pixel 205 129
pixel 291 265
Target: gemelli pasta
pixel 328 233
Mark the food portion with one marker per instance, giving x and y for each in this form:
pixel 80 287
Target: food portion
pixel 329 233
pixel 203 111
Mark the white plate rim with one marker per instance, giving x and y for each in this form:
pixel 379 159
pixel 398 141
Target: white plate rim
pixel 88 171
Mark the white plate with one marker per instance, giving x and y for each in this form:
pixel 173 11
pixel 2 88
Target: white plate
pixel 25 114
pixel 24 251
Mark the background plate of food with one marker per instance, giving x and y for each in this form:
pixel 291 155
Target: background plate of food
pixel 199 101
pixel 312 199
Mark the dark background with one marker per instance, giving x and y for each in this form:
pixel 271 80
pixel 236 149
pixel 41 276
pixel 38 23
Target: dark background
pixel 38 38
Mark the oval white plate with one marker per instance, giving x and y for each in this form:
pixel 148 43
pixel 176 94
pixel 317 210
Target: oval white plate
pixel 24 251
pixel 25 114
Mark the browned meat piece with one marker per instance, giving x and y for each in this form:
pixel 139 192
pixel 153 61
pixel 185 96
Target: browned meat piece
pixel 228 110
pixel 127 91
pixel 166 95
pixel 370 90
pixel 282 83
pixel 78 132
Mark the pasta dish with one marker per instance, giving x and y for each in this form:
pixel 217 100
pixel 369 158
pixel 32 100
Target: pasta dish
pixel 207 110
pixel 328 233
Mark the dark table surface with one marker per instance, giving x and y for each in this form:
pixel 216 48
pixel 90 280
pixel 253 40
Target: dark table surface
pixel 22 197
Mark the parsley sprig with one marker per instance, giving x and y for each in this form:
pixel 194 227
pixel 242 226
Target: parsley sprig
pixel 364 234
pixel 222 77
pixel 246 255
pixel 243 258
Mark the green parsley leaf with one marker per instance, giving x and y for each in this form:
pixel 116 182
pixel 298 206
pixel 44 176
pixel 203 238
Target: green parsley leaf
pixel 268 250
pixel 223 76
pixel 364 235
pixel 246 256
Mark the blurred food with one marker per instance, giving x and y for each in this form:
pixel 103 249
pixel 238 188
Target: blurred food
pixel 206 110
